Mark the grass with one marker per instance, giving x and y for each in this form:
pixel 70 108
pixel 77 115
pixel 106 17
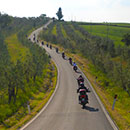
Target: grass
pixel 122 24
pixel 54 30
pixel 121 114
pixel 114 33
pixel 16 49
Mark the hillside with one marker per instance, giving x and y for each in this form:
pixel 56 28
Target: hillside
pixel 106 62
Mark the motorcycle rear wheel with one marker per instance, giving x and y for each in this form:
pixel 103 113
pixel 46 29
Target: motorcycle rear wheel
pixel 83 106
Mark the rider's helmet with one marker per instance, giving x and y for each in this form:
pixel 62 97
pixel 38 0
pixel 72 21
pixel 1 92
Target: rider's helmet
pixel 80 76
pixel 81 84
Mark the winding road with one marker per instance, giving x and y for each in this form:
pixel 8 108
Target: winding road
pixel 63 112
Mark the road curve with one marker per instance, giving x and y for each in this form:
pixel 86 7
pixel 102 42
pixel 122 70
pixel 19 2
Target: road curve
pixel 63 111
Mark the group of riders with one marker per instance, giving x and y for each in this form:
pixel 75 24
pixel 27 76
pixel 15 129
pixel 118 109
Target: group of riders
pixel 82 89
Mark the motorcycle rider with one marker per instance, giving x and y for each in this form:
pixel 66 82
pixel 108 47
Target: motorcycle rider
pixel 42 43
pixel 82 90
pixel 33 38
pixel 74 64
pixel 50 46
pixel 80 80
pixel 70 60
pixel 57 50
pixel 75 67
pixel 63 55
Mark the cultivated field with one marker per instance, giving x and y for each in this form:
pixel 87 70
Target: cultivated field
pixel 114 31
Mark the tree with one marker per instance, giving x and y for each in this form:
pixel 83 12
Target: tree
pixel 43 15
pixel 126 39
pixel 59 14
pixel 4 20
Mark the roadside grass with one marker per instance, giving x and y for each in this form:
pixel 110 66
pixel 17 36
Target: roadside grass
pixel 115 33
pixel 21 117
pixel 16 49
pixel 54 31
pixel 2 128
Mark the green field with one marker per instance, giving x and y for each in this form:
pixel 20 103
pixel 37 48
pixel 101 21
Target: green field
pixel 122 24
pixel 115 33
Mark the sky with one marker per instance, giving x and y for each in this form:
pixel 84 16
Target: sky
pixel 75 10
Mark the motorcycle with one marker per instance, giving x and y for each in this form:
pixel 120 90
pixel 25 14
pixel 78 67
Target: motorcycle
pixel 56 50
pixel 63 55
pixel 83 100
pixel 83 97
pixel 75 68
pixel 42 43
pixel 80 81
pixel 70 61
pixel 33 38
pixel 50 46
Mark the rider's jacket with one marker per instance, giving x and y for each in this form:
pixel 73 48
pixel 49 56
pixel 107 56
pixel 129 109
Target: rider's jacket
pixel 82 88
pixel 74 64
pixel 80 79
pixel 70 59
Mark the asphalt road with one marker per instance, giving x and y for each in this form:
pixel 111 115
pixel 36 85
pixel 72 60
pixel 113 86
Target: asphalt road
pixel 63 111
